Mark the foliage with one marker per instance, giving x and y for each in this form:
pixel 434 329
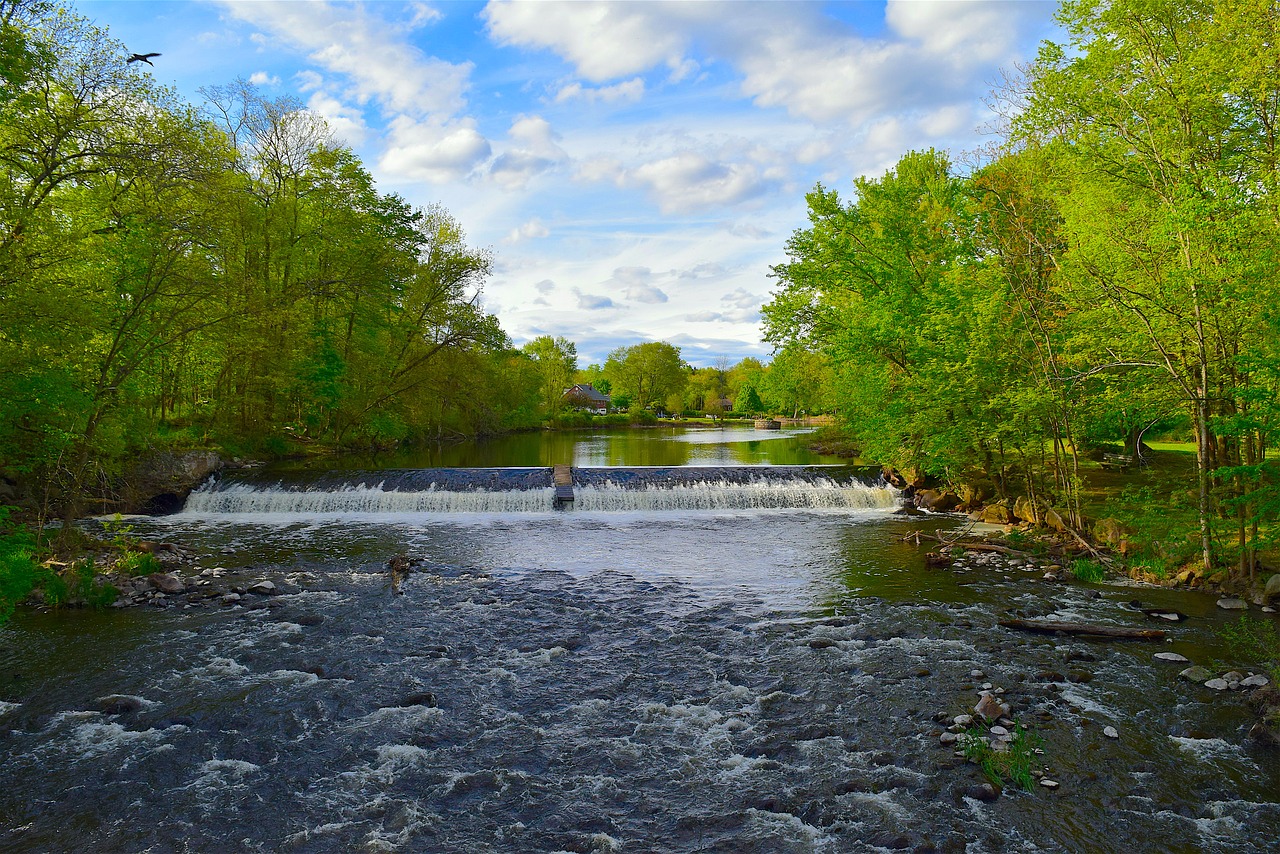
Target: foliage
pixel 225 272
pixel 1013 764
pixel 1088 571
pixel 1106 274
pixel 1256 641
pixel 646 374
pixel 18 567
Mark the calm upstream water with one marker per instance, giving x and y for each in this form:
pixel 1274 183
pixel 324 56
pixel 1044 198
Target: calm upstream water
pixel 736 661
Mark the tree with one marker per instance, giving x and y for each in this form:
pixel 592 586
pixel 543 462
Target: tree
pixel 646 373
pixel 557 362
pixel 1170 202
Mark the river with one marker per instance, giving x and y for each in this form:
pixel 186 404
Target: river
pixel 751 662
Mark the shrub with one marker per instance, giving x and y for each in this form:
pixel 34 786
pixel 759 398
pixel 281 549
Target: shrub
pixel 18 567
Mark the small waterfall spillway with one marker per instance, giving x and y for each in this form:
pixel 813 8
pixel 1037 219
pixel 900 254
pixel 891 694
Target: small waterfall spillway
pixel 531 490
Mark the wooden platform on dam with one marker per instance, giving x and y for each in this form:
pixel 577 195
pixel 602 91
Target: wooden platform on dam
pixel 562 477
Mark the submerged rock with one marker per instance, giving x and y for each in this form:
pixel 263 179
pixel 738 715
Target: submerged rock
pixel 263 588
pixel 1196 673
pixel 1170 656
pixel 1233 604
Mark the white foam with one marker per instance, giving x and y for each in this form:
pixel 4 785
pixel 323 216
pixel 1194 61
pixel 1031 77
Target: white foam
pixel 95 739
pixel 5 708
pixel 1211 749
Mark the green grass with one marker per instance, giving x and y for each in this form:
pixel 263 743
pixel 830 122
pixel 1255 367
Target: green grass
pixel 1013 764
pixel 1089 571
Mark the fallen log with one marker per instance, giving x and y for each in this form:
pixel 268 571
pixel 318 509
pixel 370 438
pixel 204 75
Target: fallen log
pixel 1050 628
pixel 967 546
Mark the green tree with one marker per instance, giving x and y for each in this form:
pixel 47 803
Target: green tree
pixel 557 362
pixel 646 373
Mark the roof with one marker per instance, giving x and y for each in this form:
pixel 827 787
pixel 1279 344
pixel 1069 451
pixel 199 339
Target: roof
pixel 587 391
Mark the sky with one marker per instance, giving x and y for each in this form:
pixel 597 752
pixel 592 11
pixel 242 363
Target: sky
pixel 636 168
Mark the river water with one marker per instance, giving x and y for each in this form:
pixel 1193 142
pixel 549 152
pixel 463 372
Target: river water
pixel 746 662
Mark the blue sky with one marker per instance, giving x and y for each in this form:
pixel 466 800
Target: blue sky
pixel 635 167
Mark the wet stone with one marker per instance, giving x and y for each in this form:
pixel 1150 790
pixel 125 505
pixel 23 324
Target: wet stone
pixel 984 792
pixel 1217 684
pixel 1196 674
pixel 821 643
pixel 119 704
pixel 1049 784
pixel 1233 604
pixel 1255 681
pixel 1110 732
pixel 1170 656
pixel 263 588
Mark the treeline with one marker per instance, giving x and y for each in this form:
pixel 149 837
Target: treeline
pixel 1109 270
pixel 653 377
pixel 213 273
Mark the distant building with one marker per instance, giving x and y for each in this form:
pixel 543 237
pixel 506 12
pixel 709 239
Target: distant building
pixel 584 396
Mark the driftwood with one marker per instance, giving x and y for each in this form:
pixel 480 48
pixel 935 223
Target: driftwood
pixel 968 546
pixel 1049 628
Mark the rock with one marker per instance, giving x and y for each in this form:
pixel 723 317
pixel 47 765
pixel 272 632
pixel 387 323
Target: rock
pixel 1255 681
pixel 1053 519
pixel 1195 674
pixel 938 501
pixel 1110 732
pixel 1169 656
pixel 162 481
pixel 1110 532
pixel 422 698
pixel 963 720
pixel 1049 784
pixel 984 792
pixel 263 588
pixel 1233 604
pixel 997 514
pixel 948 738
pixel 167 582
pixel 309 619
pixel 1272 590
pixel 998 730
pixel 1026 510
pixel 119 704
pixel 231 598
pixel 1217 684
pixel 990 708
pixel 976 674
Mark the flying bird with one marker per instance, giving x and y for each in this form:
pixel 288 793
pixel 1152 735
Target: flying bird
pixel 142 57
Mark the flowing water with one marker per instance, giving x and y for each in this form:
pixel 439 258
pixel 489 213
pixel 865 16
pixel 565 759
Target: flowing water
pixel 700 660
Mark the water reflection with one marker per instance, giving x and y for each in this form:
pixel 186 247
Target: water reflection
pixel 657 446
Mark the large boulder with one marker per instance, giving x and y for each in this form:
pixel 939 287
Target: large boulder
pixel 976 491
pixel 1272 590
pixel 1055 521
pixel 1027 510
pixel 936 500
pixel 161 482
pixel 997 513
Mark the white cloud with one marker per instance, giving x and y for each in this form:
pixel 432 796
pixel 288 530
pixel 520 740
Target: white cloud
pixel 646 294
pixel 308 80
pixel 434 153
pixel 345 122
pixel 531 230
pixel 262 78
pixel 631 90
pixel 604 40
pixel 704 317
pixel 741 298
pixel 592 302
pixel 534 150
pixel 689 181
pixel 368 50
pixel 546 286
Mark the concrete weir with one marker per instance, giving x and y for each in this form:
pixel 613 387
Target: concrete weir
pixel 562 477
